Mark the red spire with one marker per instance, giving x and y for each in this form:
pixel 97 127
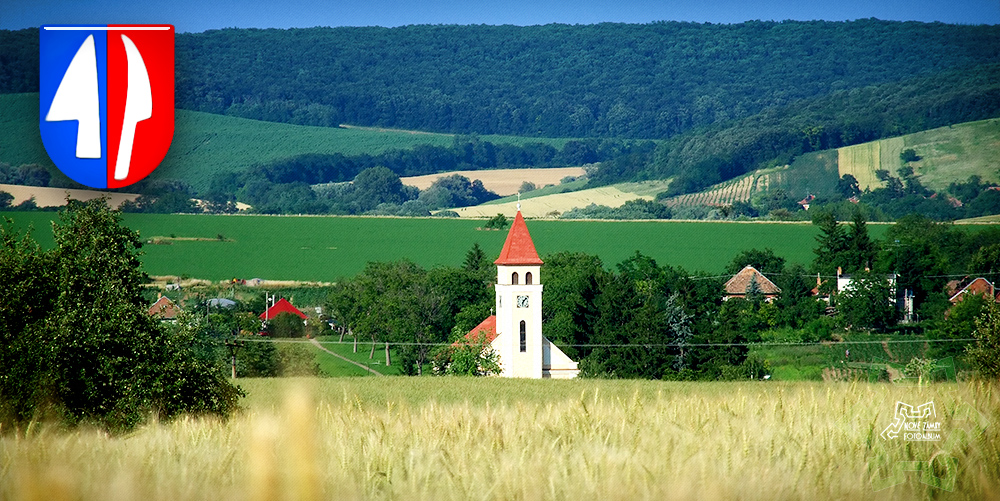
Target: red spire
pixel 518 249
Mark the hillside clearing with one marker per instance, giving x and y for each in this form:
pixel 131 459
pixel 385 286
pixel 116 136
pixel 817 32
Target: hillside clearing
pixel 503 182
pixel 948 154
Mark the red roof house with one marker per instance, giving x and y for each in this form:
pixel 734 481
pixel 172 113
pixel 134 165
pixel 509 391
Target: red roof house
pixel 518 249
pixel 740 283
pixel 164 308
pixel 282 306
pixel 977 286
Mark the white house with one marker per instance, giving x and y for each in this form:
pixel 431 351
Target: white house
pixel 845 282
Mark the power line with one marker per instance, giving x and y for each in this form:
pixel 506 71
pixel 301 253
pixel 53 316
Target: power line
pixel 637 345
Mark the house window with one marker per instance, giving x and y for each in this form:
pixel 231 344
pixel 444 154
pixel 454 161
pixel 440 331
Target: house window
pixel 524 338
pixel 513 278
pixel 527 278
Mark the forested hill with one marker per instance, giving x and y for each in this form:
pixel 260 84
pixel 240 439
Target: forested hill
pixel 606 80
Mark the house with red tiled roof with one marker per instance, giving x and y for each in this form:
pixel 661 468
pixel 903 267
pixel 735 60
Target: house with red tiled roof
pixel 978 286
pixel 165 309
pixel 740 284
pixel 515 332
pixel 281 306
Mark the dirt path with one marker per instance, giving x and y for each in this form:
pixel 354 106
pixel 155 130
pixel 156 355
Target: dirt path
pixel 315 342
pixel 885 346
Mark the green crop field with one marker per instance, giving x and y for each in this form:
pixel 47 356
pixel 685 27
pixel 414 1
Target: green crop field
pixel 205 144
pixel 316 248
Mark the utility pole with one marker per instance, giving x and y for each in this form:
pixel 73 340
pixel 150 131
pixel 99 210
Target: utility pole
pixel 234 345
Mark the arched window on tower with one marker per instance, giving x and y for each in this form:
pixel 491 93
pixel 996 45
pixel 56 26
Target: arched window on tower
pixel 513 278
pixel 527 278
pixel 524 338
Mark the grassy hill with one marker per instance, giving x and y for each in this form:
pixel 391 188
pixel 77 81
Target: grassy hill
pixel 205 144
pixel 948 154
pixel 326 248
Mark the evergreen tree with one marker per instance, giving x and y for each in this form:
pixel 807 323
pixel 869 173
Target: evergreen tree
pixel 861 250
pixel 475 259
pixel 832 244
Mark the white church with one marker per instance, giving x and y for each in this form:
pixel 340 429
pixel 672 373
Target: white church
pixel 515 332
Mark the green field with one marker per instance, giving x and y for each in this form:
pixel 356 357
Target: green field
pixel 445 438
pixel 317 248
pixel 807 362
pixel 205 144
pixel 335 367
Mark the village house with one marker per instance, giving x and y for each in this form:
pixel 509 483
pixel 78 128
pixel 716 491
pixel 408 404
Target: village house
pixel 515 331
pixel 279 307
pixel 845 282
pixel 978 286
pixel 164 309
pixel 904 303
pixel 741 283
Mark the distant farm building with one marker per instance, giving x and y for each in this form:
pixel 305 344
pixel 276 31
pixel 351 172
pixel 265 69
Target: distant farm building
pixel 742 283
pixel 904 303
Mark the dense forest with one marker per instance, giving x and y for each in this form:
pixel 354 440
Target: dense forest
pixel 721 99
pixel 610 80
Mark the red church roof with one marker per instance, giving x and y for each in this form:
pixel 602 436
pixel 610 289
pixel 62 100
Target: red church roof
pixel 486 328
pixel 518 249
pixel 282 306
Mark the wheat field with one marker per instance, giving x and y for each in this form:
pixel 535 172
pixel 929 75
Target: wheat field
pixel 461 438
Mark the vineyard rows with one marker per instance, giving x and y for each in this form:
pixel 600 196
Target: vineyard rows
pixel 727 193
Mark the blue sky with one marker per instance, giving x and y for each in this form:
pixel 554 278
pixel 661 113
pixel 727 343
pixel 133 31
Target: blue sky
pixel 201 15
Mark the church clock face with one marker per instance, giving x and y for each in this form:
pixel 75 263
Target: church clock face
pixel 522 301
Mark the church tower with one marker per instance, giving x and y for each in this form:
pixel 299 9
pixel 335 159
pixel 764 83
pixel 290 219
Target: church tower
pixel 519 304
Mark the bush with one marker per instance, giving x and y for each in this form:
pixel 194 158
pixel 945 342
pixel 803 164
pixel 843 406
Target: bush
pixel 497 222
pixel 984 355
pixel 286 325
pixel 296 359
pixel 476 359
